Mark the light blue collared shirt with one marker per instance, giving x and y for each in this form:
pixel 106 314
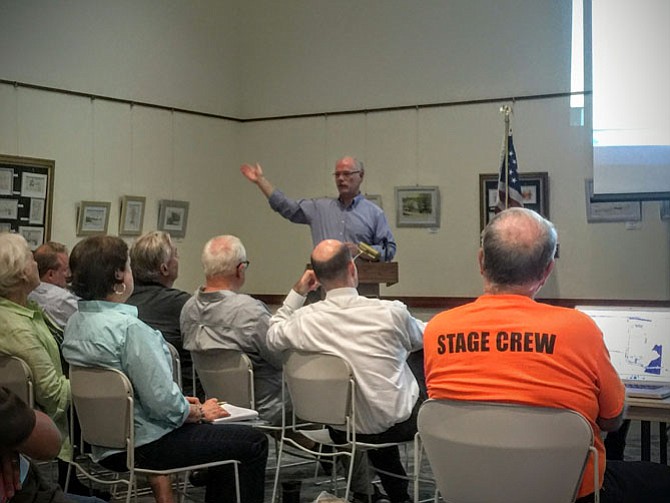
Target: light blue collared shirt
pixel 361 221
pixel 109 334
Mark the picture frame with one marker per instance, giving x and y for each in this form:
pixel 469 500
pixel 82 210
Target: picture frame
pixel 417 206
pixel 33 235
pixel 26 195
pixel 534 189
pixel 33 185
pixel 665 210
pixel 9 209
pixel 6 181
pixel 36 215
pixel 375 198
pixel 93 217
pixel 173 217
pixel 621 211
pixel 132 215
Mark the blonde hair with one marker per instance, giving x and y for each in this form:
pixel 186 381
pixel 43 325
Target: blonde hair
pixel 15 255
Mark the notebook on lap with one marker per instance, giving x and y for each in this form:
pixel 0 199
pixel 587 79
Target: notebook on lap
pixel 635 338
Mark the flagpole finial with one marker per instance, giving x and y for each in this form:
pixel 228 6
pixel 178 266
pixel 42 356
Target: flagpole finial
pixel 506 109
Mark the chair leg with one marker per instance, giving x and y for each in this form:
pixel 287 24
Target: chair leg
pixel 276 482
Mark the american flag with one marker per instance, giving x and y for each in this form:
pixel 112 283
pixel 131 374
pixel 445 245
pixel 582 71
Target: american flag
pixel 513 197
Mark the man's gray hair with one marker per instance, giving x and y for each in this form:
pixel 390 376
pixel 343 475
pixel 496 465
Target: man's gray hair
pixel 221 255
pixel 14 257
pixel 509 261
pixel 149 253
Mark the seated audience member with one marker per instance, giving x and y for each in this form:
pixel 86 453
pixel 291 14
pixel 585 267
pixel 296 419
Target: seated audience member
pixel 374 336
pixel 28 435
pixel 155 262
pixel 52 294
pixel 517 350
pixel 23 333
pixel 218 316
pixel 171 430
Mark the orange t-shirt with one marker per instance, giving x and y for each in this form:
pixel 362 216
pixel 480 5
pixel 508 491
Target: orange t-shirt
pixel 509 348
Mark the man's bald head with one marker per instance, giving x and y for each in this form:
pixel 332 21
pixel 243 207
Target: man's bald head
pixel 518 245
pixel 332 264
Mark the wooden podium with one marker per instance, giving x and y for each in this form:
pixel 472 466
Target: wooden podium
pixel 372 274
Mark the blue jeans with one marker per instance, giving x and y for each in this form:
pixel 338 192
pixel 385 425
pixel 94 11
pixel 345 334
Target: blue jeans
pixel 192 444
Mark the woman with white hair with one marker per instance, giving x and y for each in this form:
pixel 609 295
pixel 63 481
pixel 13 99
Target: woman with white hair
pixel 23 333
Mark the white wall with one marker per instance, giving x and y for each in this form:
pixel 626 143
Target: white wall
pixel 259 58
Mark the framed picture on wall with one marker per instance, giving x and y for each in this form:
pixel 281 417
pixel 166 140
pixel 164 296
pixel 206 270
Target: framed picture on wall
pixel 173 217
pixel 93 218
pixel 375 198
pixel 534 189
pixel 26 195
pixel 417 206
pixel 622 211
pixel 132 215
pixel 33 235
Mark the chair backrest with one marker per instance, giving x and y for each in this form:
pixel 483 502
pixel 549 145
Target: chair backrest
pixel 15 374
pixel 482 452
pixel 103 400
pixel 226 374
pixel 321 386
pixel 176 364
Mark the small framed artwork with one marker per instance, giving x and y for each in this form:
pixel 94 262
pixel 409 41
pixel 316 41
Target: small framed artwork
pixel 34 185
pixel 534 190
pixel 375 198
pixel 93 218
pixel 34 235
pixel 665 210
pixel 36 215
pixel 132 215
pixel 6 181
pixel 9 209
pixel 623 211
pixel 417 206
pixel 173 217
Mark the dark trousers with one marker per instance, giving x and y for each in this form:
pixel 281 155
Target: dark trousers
pixel 634 482
pixel 388 458
pixel 192 444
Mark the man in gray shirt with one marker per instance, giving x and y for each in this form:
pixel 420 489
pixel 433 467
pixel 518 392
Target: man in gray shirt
pixel 219 317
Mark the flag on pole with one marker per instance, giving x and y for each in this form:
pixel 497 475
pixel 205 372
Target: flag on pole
pixel 509 186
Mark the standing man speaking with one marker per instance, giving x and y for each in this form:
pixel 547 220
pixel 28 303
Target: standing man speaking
pixel 350 218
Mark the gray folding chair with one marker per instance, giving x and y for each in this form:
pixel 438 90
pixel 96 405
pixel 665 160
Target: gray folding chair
pixel 481 452
pixel 323 391
pixel 15 374
pixel 176 365
pixel 227 374
pixel 104 402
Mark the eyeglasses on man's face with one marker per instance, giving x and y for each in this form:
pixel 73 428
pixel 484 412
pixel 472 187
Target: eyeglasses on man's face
pixel 245 263
pixel 346 174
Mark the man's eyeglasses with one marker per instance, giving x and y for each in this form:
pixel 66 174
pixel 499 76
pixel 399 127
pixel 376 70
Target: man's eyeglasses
pixel 346 174
pixel 245 263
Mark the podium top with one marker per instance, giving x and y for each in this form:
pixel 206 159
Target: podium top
pixel 377 272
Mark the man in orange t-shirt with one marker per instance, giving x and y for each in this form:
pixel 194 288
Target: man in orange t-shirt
pixel 505 347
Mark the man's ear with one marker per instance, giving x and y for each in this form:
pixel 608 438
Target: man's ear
pixel 480 260
pixel 164 269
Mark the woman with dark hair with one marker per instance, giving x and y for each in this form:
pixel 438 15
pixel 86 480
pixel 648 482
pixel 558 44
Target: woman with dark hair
pixel 171 430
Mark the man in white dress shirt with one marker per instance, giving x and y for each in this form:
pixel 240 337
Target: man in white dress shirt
pixel 375 336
